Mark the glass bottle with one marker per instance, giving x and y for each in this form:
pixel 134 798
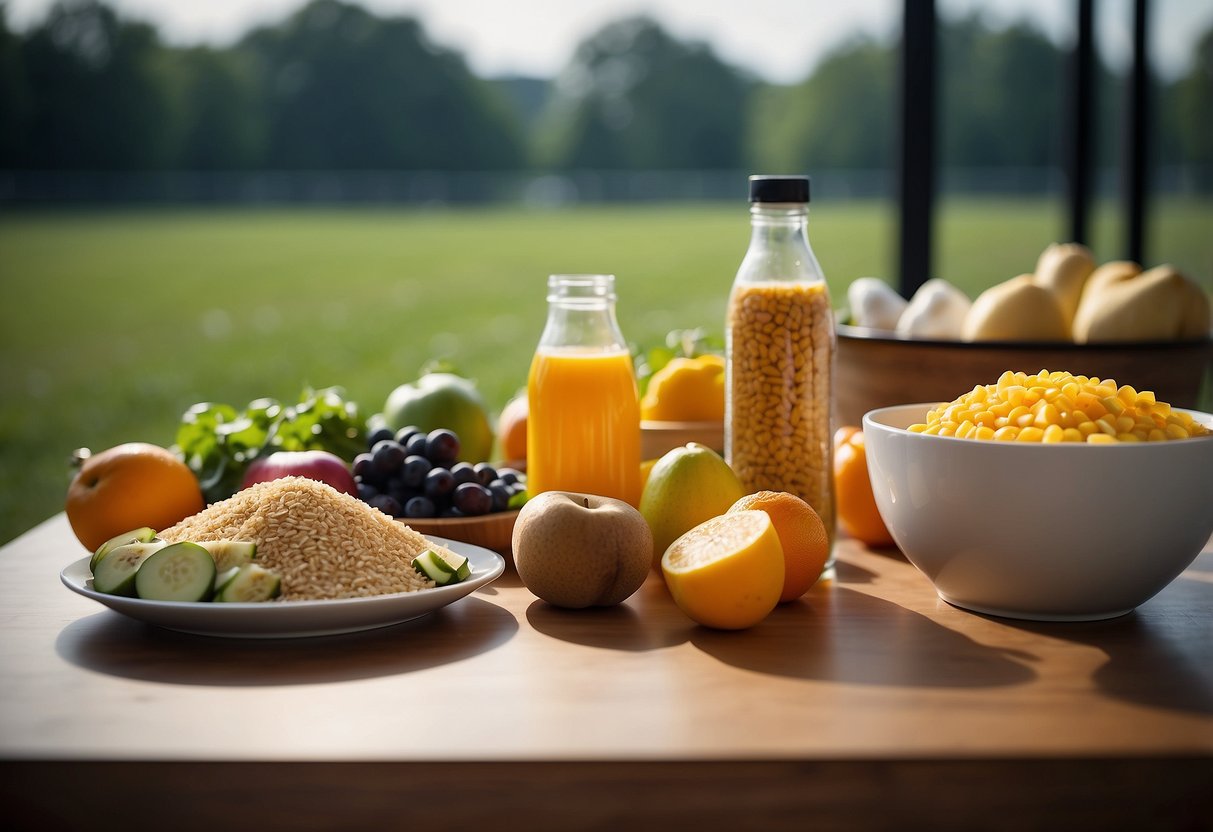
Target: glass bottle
pixel 780 354
pixel 583 424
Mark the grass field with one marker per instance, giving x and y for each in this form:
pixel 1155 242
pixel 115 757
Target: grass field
pixel 112 323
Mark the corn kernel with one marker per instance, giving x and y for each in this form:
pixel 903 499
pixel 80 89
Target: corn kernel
pixel 1177 431
pixel 1053 433
pixel 1100 439
pixel 1030 434
pixel 1114 405
pixel 984 432
pixel 1125 424
pixel 1006 434
pixel 1126 437
pixel 1156 435
pixel 1072 435
pixel 1046 415
pixel 1127 395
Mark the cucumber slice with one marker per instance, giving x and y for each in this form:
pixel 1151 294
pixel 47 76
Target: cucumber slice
pixel 429 564
pixel 115 573
pixel 248 583
pixel 230 553
pixel 143 535
pixel 454 563
pixel 180 572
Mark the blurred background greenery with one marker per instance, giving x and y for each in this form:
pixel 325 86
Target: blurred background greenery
pixel 334 199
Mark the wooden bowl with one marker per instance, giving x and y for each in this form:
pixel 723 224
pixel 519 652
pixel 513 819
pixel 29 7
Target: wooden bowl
pixel 492 531
pixel 876 368
pixel 658 437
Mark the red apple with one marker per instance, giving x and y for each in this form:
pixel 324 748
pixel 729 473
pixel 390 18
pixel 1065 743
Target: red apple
pixel 315 465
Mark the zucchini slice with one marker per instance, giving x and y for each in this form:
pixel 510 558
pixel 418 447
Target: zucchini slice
pixel 433 567
pixel 246 583
pixel 143 535
pixel 454 563
pixel 180 572
pixel 230 553
pixel 115 573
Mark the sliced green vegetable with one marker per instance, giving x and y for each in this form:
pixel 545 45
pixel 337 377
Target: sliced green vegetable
pixel 454 563
pixel 115 573
pixel 249 582
pixel 433 567
pixel 143 535
pixel 179 572
pixel 230 553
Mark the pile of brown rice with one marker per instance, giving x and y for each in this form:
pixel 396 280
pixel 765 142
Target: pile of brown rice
pixel 322 543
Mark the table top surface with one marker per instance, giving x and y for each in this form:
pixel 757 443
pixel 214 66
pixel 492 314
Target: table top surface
pixel 869 666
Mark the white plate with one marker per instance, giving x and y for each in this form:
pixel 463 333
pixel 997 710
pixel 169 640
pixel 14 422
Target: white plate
pixel 294 619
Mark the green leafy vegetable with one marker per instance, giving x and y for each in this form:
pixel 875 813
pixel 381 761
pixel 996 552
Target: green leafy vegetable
pixel 219 443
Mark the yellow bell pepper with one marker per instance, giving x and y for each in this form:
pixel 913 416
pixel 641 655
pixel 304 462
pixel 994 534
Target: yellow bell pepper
pixel 686 390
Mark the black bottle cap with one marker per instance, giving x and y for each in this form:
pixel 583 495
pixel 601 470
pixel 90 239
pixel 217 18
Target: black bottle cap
pixel 779 189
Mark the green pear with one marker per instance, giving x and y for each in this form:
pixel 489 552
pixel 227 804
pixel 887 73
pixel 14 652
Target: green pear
pixel 687 486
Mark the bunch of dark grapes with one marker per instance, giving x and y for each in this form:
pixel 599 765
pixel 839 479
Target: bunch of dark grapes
pixel 411 473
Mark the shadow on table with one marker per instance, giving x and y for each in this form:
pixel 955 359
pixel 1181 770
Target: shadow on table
pixel 635 626
pixel 119 646
pixel 832 634
pixel 851 637
pixel 1159 655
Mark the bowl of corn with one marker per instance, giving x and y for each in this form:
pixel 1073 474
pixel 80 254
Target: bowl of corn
pixel 1046 497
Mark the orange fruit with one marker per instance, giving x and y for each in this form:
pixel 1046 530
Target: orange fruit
pixel 511 429
pixel 806 546
pixel 127 487
pixel 726 572
pixel 853 499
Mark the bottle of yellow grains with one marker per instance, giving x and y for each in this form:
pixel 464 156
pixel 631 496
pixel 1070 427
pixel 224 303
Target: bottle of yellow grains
pixel 780 354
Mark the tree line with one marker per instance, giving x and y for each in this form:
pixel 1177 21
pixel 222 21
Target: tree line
pixel 335 87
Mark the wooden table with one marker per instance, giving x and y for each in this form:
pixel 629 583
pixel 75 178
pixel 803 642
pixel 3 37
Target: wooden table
pixel 868 704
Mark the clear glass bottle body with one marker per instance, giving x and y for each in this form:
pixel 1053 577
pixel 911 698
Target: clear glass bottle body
pixel 780 345
pixel 583 424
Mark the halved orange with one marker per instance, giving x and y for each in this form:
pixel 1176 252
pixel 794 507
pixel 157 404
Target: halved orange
pixel 726 572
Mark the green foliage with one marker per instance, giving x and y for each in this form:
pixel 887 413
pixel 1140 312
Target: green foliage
pixel 94 99
pixel 342 88
pixel 841 116
pixel 219 443
pixel 1001 96
pixel 634 97
pixel 334 86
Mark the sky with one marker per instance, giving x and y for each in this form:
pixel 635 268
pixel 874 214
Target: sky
pixel 778 40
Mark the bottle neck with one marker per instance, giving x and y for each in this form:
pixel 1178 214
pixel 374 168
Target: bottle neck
pixel 779 246
pixel 581 314
pixel 779 224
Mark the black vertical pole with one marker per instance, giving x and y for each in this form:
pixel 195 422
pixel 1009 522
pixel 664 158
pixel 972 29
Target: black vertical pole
pixel 1135 134
pixel 916 175
pixel 1079 152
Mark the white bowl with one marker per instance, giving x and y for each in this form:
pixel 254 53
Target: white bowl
pixel 1059 532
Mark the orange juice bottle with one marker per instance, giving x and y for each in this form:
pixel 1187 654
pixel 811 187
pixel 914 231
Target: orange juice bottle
pixel 583 425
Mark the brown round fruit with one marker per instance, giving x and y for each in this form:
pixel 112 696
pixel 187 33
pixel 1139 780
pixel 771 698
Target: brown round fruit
pixel 128 487
pixel 581 550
